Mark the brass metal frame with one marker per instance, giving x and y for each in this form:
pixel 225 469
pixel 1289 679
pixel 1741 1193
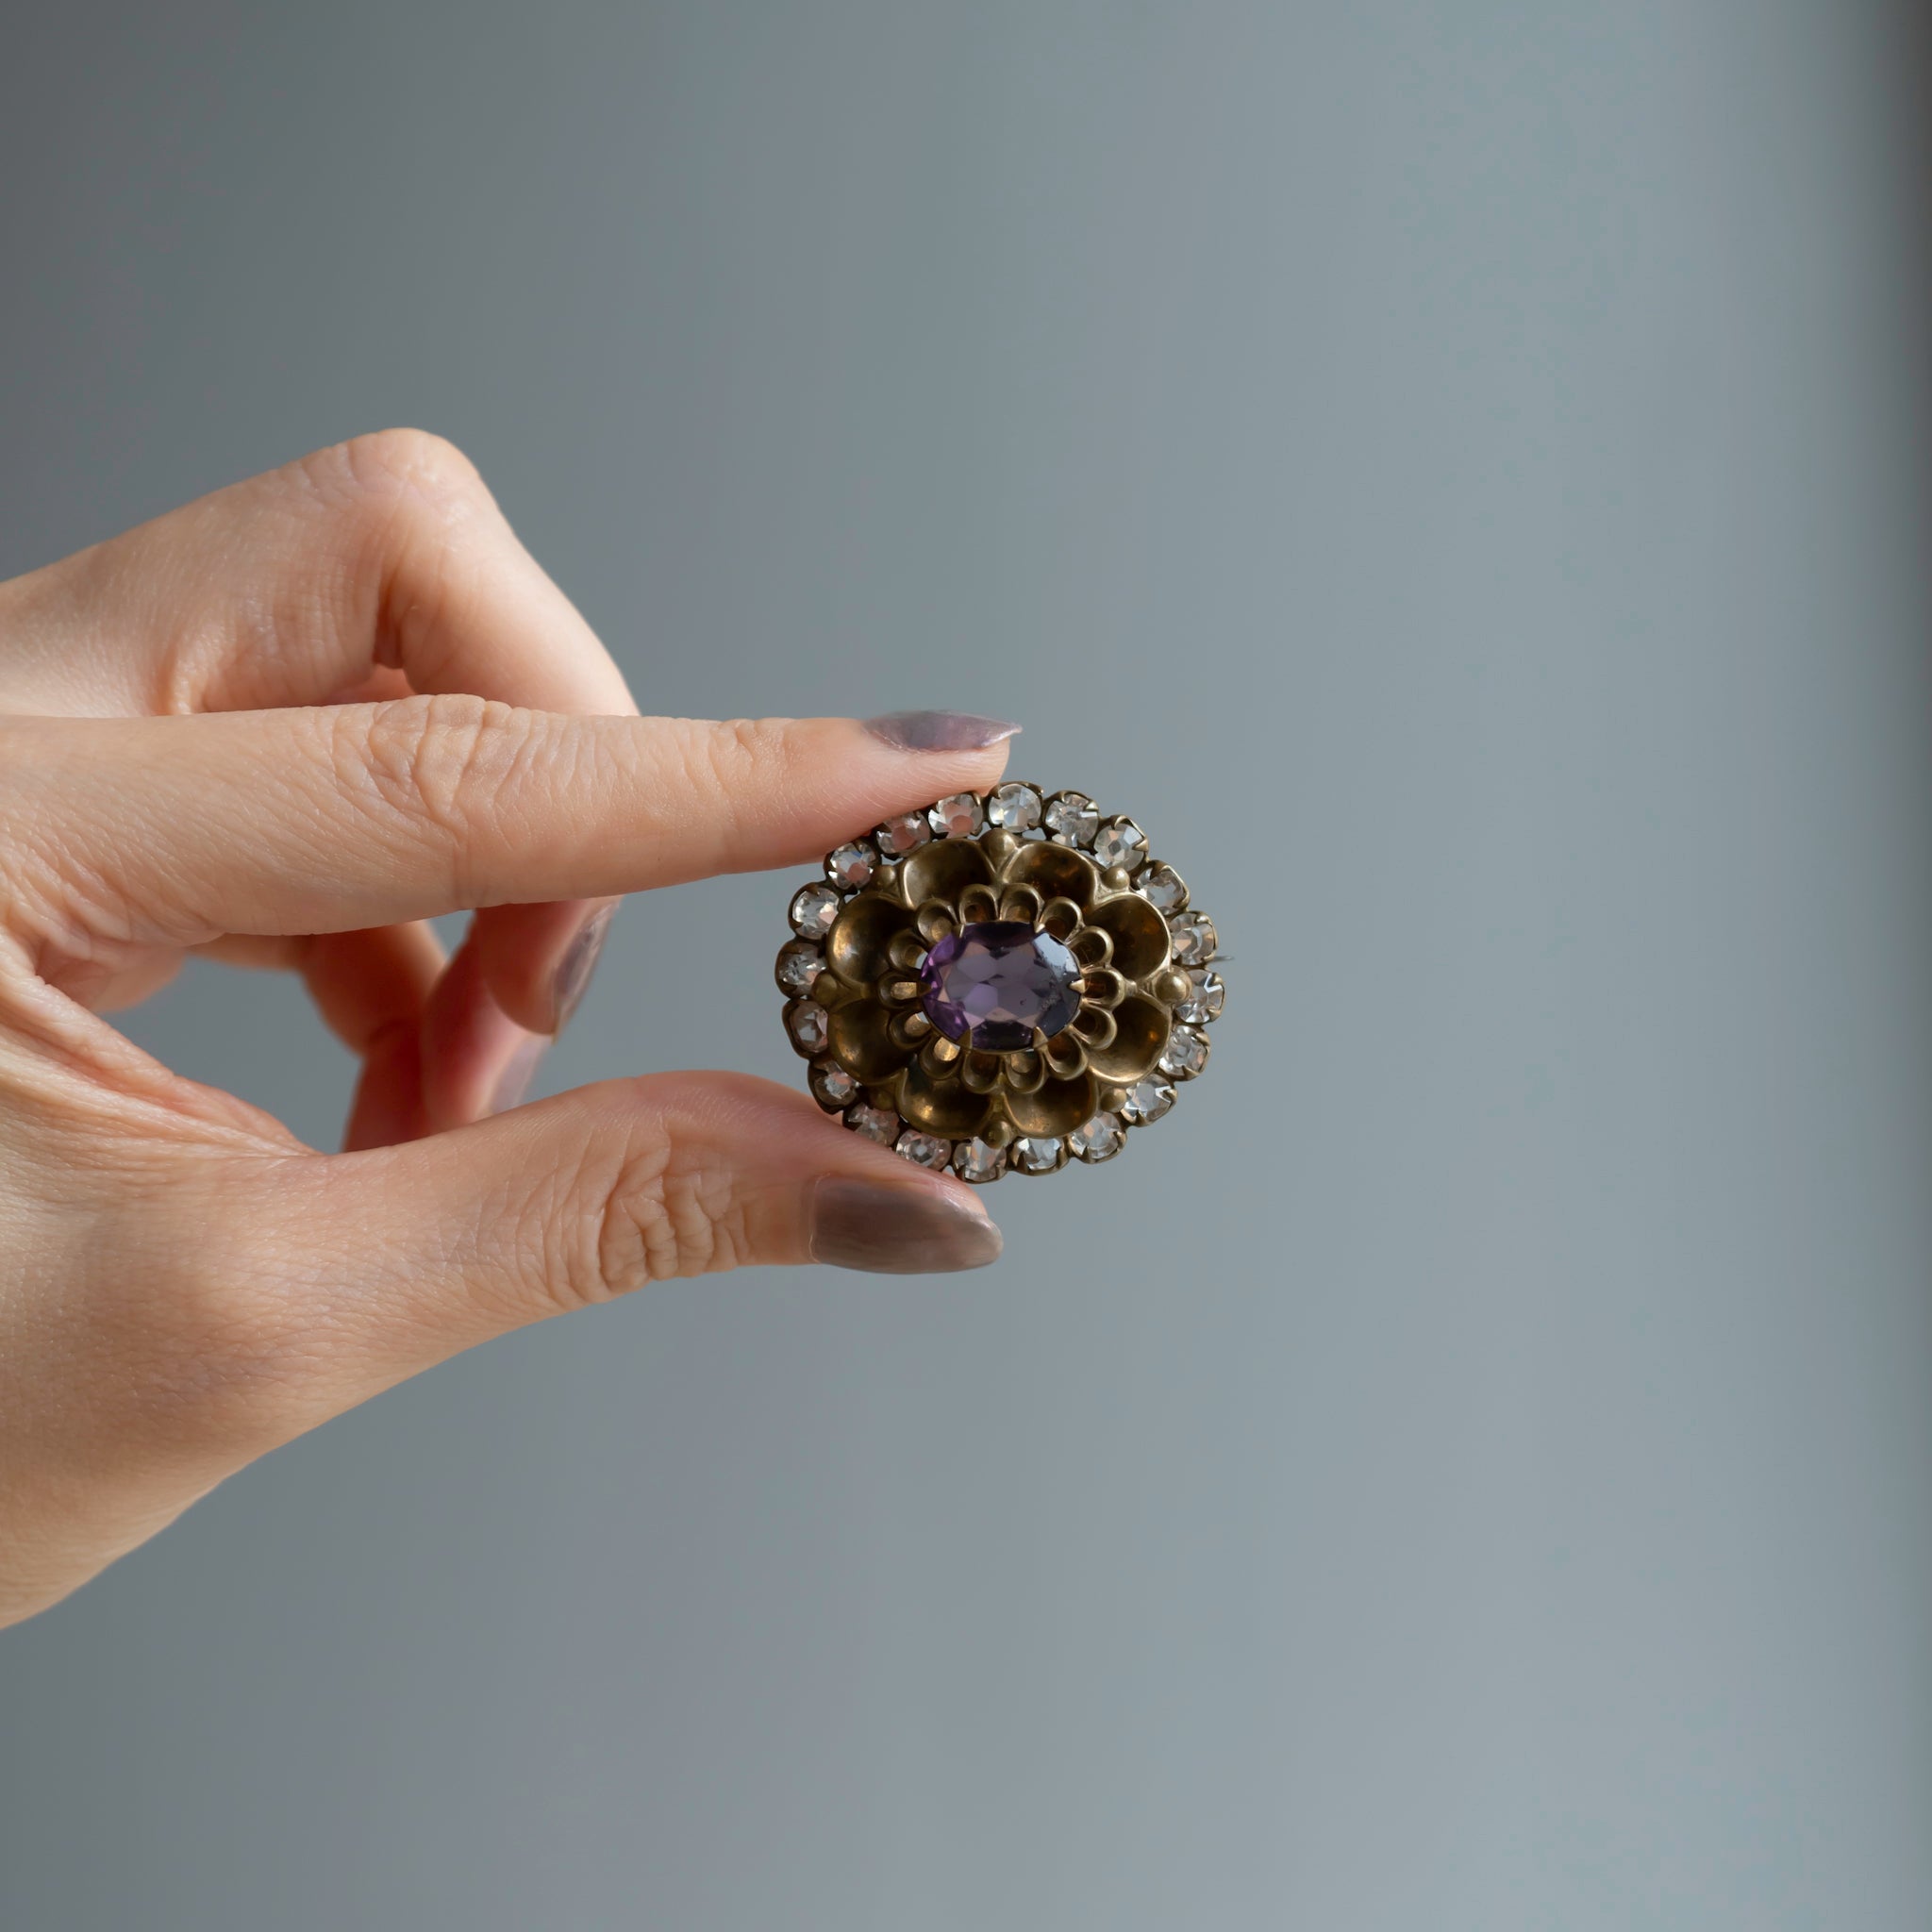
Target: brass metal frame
pixel 854 1007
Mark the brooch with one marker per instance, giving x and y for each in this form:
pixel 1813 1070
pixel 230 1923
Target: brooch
pixel 1002 983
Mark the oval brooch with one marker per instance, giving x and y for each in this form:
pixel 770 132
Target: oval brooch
pixel 1004 983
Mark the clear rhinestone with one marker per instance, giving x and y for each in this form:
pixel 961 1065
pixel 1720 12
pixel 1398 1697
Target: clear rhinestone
pixel 834 1085
pixel 813 909
pixel 806 1023
pixel 923 1150
pixel 1185 1054
pixel 1147 1100
pixel 1014 807
pixel 904 834
pixel 1203 1003
pixel 975 1161
pixel 800 962
pixel 1193 939
pixel 852 865
pixel 1121 843
pixel 1097 1138
pixel 874 1122
pixel 1164 888
pixel 1071 819
pixel 957 817
pixel 1032 1155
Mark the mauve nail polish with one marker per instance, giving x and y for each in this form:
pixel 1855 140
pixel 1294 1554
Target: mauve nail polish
pixel 575 969
pixel 939 731
pixel 888 1228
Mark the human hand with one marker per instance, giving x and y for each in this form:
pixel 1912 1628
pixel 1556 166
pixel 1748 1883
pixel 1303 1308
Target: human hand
pixel 285 726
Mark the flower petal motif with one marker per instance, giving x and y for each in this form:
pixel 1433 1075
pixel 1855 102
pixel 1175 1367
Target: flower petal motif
pixel 892 1022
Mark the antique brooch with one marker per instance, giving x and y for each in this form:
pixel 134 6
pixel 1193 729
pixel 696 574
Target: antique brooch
pixel 1002 983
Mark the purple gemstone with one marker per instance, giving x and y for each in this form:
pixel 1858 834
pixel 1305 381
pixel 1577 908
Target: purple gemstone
pixel 989 985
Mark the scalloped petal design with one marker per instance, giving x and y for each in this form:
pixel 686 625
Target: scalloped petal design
pixel 942 870
pixel 1141 944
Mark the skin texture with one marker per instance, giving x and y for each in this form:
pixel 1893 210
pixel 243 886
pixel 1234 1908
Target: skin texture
pixel 285 727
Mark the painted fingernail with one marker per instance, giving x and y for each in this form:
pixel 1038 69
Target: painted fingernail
pixel 575 969
pixel 939 731
pixel 517 1072
pixel 889 1229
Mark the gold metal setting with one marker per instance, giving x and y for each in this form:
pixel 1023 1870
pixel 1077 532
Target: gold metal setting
pixel 856 1004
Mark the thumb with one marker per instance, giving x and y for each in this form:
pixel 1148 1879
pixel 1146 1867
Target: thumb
pixel 422 1250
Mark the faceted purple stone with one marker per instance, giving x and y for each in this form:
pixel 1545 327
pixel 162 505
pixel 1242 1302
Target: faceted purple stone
pixel 989 985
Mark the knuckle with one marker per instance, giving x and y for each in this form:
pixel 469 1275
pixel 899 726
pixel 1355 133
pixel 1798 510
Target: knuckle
pixel 730 764
pixel 393 464
pixel 743 747
pixel 219 1352
pixel 235 1370
pixel 654 1210
pixel 408 506
pixel 438 764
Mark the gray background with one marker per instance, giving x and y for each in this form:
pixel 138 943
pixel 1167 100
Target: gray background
pixel 1457 471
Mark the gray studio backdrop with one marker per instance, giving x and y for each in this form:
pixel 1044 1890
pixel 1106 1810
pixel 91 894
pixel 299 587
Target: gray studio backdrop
pixel 1456 470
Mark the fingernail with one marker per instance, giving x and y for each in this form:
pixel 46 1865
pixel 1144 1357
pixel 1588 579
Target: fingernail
pixel 573 970
pixel 939 731
pixel 888 1229
pixel 519 1070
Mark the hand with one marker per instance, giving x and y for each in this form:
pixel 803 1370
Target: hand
pixel 283 726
